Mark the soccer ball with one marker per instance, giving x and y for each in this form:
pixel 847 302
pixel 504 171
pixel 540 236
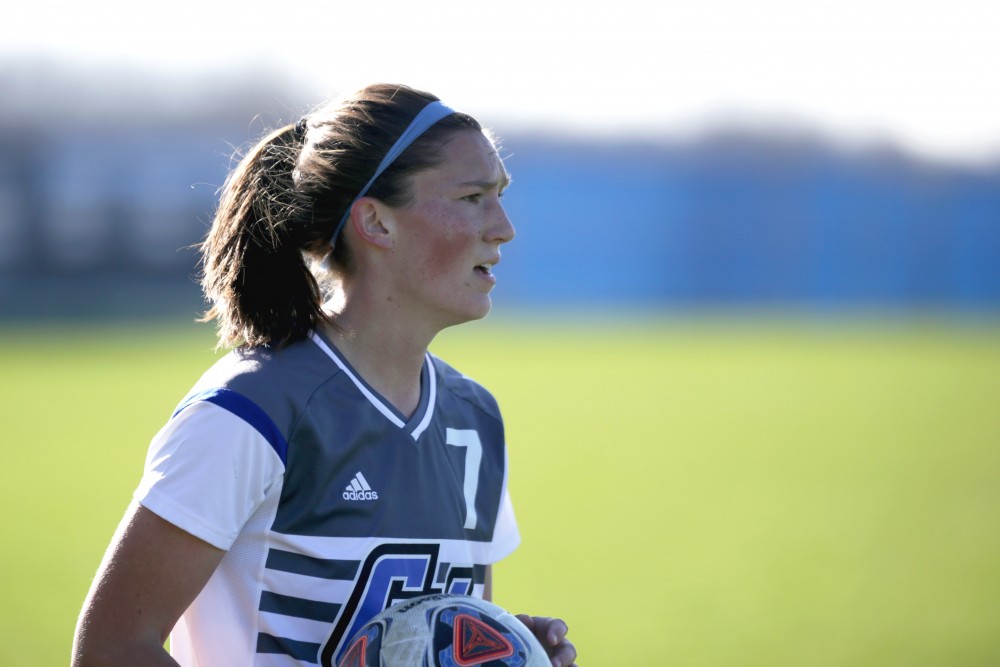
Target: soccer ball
pixel 444 631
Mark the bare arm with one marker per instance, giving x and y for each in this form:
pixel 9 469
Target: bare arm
pixel 151 572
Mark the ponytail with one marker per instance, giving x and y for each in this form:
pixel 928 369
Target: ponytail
pixel 255 274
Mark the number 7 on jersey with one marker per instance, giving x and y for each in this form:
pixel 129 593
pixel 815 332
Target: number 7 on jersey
pixel 469 439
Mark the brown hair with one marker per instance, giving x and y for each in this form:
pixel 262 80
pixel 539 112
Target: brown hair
pixel 279 207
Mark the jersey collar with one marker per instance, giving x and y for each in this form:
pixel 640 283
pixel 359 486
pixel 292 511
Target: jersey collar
pixel 421 418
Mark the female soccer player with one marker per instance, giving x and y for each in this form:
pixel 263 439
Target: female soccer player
pixel 328 466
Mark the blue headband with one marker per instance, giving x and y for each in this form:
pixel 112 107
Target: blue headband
pixel 429 115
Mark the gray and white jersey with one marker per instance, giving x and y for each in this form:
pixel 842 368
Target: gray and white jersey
pixel 330 503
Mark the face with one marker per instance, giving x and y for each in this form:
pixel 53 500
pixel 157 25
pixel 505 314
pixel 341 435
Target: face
pixel 447 239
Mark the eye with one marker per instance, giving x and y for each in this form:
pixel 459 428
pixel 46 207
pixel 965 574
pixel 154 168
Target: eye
pixel 473 198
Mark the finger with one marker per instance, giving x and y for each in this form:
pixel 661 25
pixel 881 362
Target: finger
pixel 541 627
pixel 556 631
pixel 564 655
pixel 548 630
pixel 528 621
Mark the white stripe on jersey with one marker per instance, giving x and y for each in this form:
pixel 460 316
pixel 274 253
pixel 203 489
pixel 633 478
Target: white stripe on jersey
pixel 432 390
pixel 275 660
pixel 359 548
pixel 372 398
pixel 306 587
pixel 290 627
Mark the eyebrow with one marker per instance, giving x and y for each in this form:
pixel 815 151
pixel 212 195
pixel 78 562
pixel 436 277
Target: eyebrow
pixel 485 185
pixel 502 183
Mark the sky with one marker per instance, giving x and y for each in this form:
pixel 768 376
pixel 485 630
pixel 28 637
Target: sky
pixel 922 75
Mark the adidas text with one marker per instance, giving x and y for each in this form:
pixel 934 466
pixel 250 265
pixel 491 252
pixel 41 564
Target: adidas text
pixel 360 495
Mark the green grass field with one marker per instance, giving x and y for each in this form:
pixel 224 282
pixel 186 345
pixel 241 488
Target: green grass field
pixel 695 493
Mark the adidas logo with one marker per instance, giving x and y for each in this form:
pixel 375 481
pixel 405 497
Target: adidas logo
pixel 359 489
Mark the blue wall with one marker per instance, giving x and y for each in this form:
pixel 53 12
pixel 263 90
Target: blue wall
pixel 749 220
pixel 730 219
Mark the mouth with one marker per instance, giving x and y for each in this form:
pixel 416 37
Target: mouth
pixel 486 268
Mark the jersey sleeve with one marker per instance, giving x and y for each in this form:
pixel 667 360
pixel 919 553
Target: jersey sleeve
pixel 506 536
pixel 207 471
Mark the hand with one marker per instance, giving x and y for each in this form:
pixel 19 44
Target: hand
pixel 551 633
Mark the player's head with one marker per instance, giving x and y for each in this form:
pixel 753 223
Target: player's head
pixel 283 207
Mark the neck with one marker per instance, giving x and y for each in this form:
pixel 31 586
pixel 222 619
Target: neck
pixel 383 349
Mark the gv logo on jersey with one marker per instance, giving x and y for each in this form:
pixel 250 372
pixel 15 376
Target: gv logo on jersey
pixel 359 489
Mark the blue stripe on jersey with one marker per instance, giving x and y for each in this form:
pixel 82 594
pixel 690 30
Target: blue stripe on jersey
pixel 323 568
pixel 248 411
pixel 303 651
pixel 298 607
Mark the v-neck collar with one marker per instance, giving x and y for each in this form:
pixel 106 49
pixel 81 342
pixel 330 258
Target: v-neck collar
pixel 416 424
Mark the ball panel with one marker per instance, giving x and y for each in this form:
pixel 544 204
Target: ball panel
pixel 366 647
pixel 466 637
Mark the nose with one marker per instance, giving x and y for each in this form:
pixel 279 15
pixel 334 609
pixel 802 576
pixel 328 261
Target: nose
pixel 501 228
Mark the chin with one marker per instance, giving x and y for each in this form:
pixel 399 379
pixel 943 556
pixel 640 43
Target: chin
pixel 484 309
pixel 474 312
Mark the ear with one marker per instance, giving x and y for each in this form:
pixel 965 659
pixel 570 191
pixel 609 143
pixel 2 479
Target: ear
pixel 371 221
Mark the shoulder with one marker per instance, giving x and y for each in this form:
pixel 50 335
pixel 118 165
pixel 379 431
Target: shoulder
pixel 279 382
pixel 465 388
pixel 261 364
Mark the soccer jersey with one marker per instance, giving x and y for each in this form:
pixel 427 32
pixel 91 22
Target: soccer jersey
pixel 330 503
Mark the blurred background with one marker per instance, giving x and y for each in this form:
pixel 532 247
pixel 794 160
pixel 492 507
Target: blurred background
pixel 769 227
pixel 810 155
